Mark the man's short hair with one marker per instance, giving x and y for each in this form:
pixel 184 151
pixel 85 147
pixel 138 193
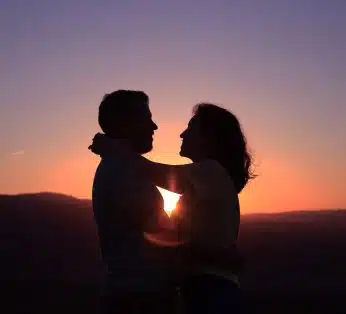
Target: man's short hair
pixel 120 104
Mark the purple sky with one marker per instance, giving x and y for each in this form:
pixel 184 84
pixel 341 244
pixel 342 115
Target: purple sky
pixel 279 65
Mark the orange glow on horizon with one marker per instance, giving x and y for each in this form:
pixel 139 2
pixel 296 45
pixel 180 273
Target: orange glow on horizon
pixel 284 183
pixel 280 186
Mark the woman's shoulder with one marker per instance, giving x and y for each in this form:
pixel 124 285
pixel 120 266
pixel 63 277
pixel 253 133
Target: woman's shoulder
pixel 210 167
pixel 210 173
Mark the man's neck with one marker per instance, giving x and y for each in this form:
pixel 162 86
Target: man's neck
pixel 124 142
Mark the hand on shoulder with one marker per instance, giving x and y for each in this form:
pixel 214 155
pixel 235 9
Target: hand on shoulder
pixel 103 144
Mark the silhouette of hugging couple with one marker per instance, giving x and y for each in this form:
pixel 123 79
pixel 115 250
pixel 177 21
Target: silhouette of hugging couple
pixel 187 262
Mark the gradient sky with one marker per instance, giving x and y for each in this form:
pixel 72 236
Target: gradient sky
pixel 278 64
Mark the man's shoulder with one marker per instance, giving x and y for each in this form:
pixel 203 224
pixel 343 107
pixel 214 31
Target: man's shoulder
pixel 109 164
pixel 116 175
pixel 111 170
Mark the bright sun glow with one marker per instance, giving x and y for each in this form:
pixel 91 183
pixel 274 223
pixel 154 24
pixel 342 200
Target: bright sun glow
pixel 170 200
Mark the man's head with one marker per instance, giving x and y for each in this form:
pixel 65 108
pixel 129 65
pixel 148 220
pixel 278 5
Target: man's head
pixel 125 114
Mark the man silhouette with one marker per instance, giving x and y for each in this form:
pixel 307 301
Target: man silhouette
pixel 125 206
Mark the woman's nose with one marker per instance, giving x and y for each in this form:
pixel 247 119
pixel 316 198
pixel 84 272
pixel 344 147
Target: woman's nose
pixel 155 127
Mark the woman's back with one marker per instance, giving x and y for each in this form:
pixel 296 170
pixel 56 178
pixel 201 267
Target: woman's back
pixel 209 209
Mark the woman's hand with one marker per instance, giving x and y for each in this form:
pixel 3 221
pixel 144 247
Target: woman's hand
pixel 102 145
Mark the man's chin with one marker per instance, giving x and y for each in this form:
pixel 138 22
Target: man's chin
pixel 145 150
pixel 182 153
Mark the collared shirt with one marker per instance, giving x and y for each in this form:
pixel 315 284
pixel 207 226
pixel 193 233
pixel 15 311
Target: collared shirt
pixel 123 205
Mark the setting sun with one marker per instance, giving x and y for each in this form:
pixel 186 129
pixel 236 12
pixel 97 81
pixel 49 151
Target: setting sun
pixel 170 200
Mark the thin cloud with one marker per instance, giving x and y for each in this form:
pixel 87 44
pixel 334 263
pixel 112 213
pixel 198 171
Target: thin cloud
pixel 18 153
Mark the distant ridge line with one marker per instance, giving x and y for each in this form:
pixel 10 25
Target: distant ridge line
pixel 55 195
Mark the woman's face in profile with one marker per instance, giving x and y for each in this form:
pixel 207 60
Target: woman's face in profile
pixel 193 142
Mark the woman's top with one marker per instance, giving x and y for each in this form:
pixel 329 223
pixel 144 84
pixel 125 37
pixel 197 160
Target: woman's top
pixel 208 218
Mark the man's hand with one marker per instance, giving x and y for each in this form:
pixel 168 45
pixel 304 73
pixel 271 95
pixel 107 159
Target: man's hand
pixel 102 144
pixel 166 233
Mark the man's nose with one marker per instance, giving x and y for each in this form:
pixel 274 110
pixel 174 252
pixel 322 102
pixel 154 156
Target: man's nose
pixel 155 127
pixel 182 134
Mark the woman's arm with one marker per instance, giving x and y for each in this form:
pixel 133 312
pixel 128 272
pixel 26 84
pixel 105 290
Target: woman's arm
pixel 174 178
pixel 170 177
pixel 177 178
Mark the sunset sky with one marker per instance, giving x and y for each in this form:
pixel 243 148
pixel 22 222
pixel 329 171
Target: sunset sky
pixel 279 65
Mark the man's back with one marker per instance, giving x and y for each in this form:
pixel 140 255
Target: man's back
pixel 122 203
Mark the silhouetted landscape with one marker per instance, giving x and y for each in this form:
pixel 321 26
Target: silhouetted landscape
pixel 294 262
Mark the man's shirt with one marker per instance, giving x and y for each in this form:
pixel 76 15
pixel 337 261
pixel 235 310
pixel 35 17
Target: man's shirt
pixel 123 205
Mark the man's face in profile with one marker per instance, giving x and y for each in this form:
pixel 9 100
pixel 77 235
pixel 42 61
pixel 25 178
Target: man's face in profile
pixel 141 130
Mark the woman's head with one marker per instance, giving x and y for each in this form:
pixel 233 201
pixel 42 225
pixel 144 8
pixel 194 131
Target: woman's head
pixel 214 132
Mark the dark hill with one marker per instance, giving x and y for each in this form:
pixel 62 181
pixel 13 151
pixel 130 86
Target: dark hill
pixel 49 250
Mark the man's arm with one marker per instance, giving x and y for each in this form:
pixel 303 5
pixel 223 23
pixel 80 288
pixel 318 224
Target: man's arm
pixel 136 212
